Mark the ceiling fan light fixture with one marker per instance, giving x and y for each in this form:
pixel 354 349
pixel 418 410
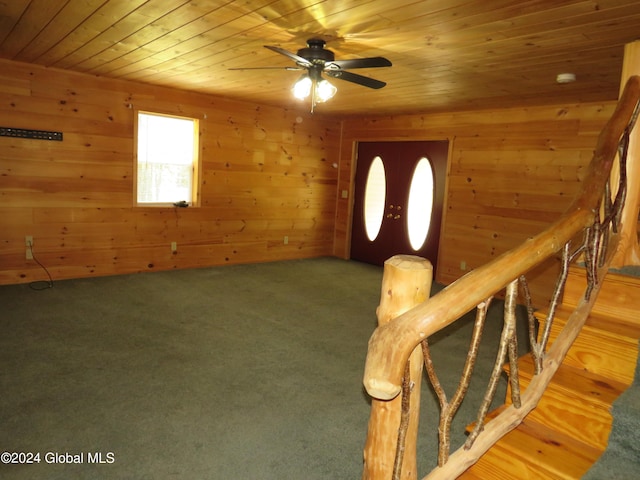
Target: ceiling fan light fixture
pixel 313 84
pixel 325 90
pixel 302 88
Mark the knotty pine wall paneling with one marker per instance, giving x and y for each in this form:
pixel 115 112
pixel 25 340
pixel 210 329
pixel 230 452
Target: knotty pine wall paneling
pixel 512 172
pixel 267 173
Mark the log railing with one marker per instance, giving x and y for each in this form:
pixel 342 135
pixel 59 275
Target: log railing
pixel 586 231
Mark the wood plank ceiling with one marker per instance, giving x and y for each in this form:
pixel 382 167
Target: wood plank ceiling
pixel 447 54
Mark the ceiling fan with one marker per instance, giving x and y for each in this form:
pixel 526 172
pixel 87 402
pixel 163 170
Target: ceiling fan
pixel 316 59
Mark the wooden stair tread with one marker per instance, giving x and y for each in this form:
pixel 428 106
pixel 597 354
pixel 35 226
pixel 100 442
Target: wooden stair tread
pixel 575 382
pixel 616 325
pixel 533 451
pixel 614 277
pixel 470 475
pixel 576 402
pixel 618 293
pixel 605 346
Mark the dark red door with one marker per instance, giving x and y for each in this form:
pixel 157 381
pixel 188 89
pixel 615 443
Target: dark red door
pixel 399 163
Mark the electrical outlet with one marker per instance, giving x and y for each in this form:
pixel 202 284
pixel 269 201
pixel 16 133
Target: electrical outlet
pixel 463 265
pixel 286 240
pixel 174 246
pixel 28 241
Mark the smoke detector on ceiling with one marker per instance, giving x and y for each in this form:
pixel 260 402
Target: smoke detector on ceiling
pixel 566 78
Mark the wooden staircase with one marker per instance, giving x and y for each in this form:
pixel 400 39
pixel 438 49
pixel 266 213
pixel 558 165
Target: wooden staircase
pixel 569 429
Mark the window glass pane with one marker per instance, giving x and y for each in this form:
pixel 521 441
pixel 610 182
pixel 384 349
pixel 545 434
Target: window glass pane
pixel 374 198
pixel 420 204
pixel 166 153
pixel 163 183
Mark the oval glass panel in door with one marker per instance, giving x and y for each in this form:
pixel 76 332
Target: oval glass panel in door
pixel 374 198
pixel 420 204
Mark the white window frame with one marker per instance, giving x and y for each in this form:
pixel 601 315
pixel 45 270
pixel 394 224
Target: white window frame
pixel 142 156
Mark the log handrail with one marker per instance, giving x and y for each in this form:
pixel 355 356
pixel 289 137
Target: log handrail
pixel 392 343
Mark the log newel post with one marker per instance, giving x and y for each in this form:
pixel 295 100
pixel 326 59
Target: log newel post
pixel 406 283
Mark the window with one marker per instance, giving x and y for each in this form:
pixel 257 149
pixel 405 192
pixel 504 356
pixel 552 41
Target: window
pixel 420 206
pixel 374 198
pixel 167 159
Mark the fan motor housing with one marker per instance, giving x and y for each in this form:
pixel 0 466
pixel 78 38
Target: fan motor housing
pixel 315 51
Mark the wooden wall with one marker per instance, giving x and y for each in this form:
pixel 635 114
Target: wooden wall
pixel 267 173
pixel 511 173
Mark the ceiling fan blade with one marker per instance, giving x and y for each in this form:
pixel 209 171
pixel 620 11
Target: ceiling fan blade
pixel 355 78
pixel 371 62
pixel 267 68
pixel 303 62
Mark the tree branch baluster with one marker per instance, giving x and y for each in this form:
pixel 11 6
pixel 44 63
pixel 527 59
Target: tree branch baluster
pixel 536 347
pixel 449 409
pixel 404 422
pixel 553 306
pixel 508 332
pixel 590 262
pixel 510 304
